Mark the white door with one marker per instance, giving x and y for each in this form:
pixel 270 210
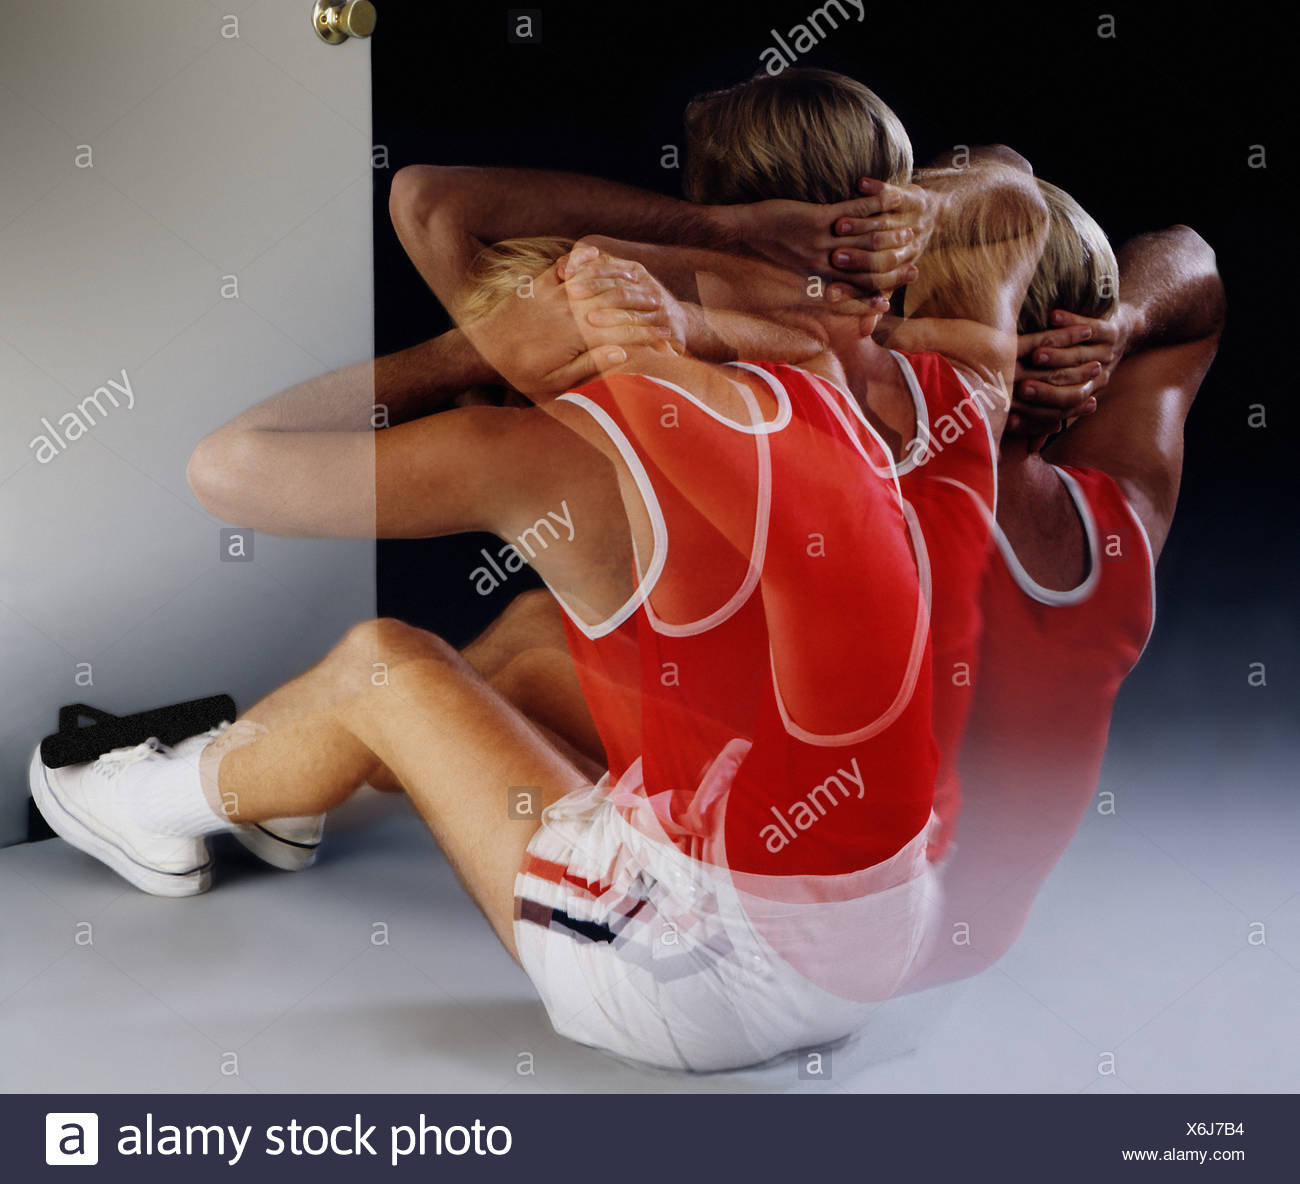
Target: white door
pixel 185 228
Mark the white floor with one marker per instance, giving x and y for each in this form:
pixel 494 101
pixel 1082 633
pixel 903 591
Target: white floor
pixel 1138 971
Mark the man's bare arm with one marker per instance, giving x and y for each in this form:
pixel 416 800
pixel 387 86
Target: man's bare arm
pixel 990 226
pixel 1169 293
pixel 391 389
pixel 445 214
pixel 1172 326
pixel 303 461
pixel 440 474
pixel 718 306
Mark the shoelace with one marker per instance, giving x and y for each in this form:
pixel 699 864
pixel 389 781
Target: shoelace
pixel 213 733
pixel 115 761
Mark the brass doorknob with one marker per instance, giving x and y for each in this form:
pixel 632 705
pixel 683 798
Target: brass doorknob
pixel 335 23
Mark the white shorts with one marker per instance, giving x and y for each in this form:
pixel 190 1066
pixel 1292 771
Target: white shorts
pixel 646 953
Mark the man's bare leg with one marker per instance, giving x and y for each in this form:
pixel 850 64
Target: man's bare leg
pixel 524 655
pixel 533 620
pixel 393 697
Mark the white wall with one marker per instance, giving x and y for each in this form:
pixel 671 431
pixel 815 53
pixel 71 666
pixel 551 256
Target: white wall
pixel 211 156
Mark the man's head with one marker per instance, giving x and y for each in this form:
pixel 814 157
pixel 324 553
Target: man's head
pixel 507 269
pixel 514 311
pixel 1077 270
pixel 545 328
pixel 803 135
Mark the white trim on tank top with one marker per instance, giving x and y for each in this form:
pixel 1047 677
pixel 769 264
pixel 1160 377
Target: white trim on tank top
pixel 1054 597
pixel 658 527
pixel 758 550
pixel 783 413
pixel 920 408
pixel 1081 591
pixel 921 630
pixel 1151 568
pixel 835 410
pixel 923 435
pixel 988 431
pixel 921 627
pixel 920 636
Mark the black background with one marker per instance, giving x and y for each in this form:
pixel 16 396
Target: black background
pixel 1152 127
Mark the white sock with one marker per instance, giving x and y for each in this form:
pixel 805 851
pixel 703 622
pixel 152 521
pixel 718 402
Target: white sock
pixel 167 796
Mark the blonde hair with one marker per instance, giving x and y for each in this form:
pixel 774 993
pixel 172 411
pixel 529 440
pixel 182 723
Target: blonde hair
pixel 1077 270
pixel 967 256
pixel 497 271
pixel 806 135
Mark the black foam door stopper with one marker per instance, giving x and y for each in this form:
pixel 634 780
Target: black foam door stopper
pixel 76 742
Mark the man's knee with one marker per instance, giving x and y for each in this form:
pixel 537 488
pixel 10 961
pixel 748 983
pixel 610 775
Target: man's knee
pixel 534 602
pixel 387 642
pixel 526 674
pixel 535 618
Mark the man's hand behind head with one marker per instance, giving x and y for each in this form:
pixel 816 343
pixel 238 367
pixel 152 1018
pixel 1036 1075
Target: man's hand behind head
pixel 870 243
pixel 1061 371
pixel 617 302
pixel 533 341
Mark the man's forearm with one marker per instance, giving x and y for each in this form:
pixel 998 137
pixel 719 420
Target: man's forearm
pixel 494 204
pixel 389 390
pixel 720 280
pixel 734 307
pixel 444 214
pixel 723 335
pixel 1169 289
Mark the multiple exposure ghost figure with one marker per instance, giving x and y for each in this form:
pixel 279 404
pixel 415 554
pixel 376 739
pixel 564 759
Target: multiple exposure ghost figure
pixel 825 662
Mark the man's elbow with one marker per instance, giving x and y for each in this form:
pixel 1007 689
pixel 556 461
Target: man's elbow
pixel 1194 249
pixel 1004 154
pixel 1199 261
pixel 1015 211
pixel 417 192
pixel 963 157
pixel 217 472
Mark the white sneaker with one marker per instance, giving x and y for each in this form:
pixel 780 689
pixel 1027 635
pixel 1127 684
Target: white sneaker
pixel 289 844
pixel 89 806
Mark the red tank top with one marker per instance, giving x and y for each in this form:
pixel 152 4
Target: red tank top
pixel 1051 665
pixel 780 623
pixel 949 476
